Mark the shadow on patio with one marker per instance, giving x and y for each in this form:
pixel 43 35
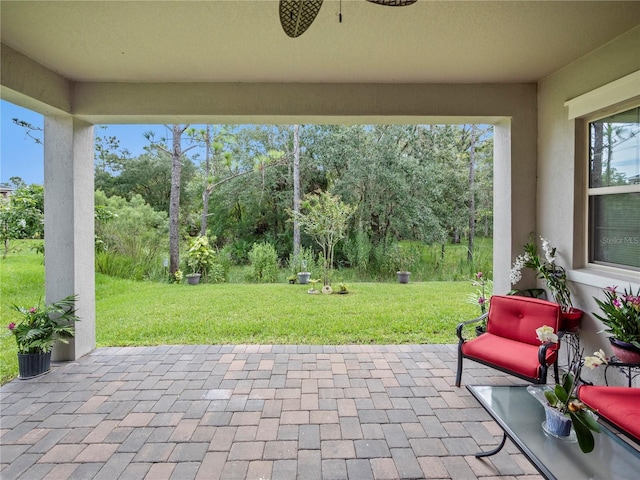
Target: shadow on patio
pixel 257 412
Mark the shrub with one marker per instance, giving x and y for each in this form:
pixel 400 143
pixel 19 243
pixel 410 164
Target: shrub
pixel 200 256
pixel 130 238
pixel 263 259
pixel 303 262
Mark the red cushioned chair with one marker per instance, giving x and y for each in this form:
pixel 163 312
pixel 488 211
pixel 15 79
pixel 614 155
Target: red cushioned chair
pixel 510 343
pixel 619 406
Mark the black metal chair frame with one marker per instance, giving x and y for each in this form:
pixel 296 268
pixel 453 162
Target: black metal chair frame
pixel 542 356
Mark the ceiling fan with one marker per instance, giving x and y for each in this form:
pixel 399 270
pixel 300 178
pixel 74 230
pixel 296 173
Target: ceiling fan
pixel 297 15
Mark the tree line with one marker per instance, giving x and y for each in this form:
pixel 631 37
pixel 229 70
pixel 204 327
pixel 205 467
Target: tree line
pixel 425 183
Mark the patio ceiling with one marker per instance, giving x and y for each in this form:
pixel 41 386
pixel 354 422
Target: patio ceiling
pixel 242 41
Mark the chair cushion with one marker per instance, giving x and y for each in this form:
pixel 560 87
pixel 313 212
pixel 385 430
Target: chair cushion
pixel 619 405
pixel 517 318
pixel 508 354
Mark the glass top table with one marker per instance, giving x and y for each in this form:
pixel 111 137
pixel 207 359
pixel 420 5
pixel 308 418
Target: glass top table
pixel 520 416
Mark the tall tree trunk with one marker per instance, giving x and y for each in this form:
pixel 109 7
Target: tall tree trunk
pixel 472 197
pixel 206 192
pixel 609 145
pixel 174 202
pixel 296 190
pixel 596 154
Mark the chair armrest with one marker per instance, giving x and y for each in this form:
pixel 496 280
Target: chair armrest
pixel 542 350
pixel 461 326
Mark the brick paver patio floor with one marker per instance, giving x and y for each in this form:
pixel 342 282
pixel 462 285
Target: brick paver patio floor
pixel 256 412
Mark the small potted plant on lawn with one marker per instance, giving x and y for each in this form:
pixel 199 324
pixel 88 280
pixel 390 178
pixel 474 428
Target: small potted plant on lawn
pixel 37 331
pixel 304 276
pixel 403 257
pixel 620 314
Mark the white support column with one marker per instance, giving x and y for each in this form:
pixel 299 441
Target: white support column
pixel 502 208
pixel 69 226
pixel 514 205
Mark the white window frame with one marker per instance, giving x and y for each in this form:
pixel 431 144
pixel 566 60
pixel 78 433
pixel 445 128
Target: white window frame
pixel 602 191
pixel 618 96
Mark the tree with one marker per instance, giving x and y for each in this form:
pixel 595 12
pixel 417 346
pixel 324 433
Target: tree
pixel 22 215
pixel 472 198
pixel 296 190
pixel 325 218
pixel 176 153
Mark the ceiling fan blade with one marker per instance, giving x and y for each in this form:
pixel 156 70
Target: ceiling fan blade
pixel 297 15
pixel 393 3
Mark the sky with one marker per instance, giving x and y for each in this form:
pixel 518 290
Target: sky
pixel 21 157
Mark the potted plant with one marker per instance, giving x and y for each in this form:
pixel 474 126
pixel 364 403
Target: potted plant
pixel 303 277
pixel 562 408
pixel 343 288
pixel 200 258
pixel 554 276
pixel 481 297
pixel 403 258
pixel 292 279
pixel 37 331
pixel 620 314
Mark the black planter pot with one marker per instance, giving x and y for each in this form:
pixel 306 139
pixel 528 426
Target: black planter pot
pixel 33 364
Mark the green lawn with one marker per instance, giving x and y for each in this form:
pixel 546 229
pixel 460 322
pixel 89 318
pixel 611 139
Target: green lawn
pixel 136 313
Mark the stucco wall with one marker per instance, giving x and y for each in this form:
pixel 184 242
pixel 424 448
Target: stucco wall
pixel 562 171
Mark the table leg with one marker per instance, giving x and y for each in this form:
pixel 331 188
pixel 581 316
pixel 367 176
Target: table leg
pixel 495 450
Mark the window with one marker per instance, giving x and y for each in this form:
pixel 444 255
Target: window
pixel 614 190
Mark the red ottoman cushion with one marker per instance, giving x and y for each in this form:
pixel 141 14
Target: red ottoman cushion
pixel 619 405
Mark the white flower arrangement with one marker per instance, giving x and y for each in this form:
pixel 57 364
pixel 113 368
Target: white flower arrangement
pixel 546 334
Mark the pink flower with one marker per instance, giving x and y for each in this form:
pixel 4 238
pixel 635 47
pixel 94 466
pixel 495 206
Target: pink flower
pixel 33 310
pixel 479 275
pixel 616 303
pixel 633 301
pixel 11 326
pixel 481 300
pixel 612 289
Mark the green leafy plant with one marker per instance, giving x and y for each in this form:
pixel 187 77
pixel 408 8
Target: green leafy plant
pixel 40 327
pixel 325 219
pixel 404 256
pixel 562 396
pixel 621 314
pixel 563 399
pixel 481 297
pixel 264 263
pixel 483 293
pixel 200 256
